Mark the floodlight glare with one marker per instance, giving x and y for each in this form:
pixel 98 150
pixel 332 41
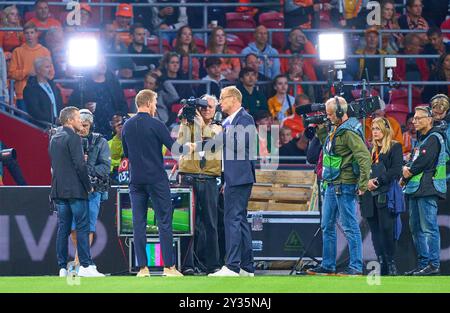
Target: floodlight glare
pixel 331 47
pixel 83 52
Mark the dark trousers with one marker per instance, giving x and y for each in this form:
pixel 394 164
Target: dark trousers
pixel 382 228
pixel 238 236
pixel 77 210
pixel 205 243
pixel 159 193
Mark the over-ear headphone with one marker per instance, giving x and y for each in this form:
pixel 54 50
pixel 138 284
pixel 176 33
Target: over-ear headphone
pixel 386 123
pixel 339 112
pixel 438 96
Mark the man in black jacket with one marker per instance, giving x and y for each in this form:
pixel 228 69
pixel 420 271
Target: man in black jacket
pixel 70 189
pixel 42 97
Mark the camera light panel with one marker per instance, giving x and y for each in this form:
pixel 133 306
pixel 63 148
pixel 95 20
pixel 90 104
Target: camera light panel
pixel 331 47
pixel 83 52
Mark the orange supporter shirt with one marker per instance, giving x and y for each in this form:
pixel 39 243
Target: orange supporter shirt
pixel 51 22
pixel 9 40
pixel 398 136
pixel 228 63
pixel 22 65
pixel 308 63
pixel 124 36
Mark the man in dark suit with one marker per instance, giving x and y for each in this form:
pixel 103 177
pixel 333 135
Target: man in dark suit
pixel 239 173
pixel 70 189
pixel 142 138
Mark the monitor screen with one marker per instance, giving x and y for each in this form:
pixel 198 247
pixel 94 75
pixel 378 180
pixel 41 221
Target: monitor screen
pixel 182 222
pixel 154 254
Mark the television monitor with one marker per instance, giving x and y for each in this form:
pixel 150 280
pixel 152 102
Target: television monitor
pixel 154 255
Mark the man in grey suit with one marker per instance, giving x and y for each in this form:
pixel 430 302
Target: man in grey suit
pixel 239 172
pixel 70 189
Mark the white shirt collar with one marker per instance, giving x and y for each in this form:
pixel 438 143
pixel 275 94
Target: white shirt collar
pixel 232 116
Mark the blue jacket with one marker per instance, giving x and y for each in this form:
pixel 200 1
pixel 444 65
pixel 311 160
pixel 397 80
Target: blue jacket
pixel 396 204
pixel 273 64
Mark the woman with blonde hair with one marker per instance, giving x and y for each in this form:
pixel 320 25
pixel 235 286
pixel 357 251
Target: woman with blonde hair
pixel 217 44
pixel 391 41
pixel 387 161
pixel 11 39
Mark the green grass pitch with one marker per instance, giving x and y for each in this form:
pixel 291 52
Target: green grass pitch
pixel 180 221
pixel 258 284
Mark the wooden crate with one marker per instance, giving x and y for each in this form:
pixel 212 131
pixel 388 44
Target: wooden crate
pixel 282 190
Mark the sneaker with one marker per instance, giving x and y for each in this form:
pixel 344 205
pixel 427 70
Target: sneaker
pixel 63 272
pixel 244 273
pixel 349 272
pixel 188 272
pixel 319 270
pixel 224 271
pixel 171 272
pixel 143 272
pixel 411 272
pixel 89 271
pixel 430 270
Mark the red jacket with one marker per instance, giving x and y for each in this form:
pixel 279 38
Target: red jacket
pixel 400 70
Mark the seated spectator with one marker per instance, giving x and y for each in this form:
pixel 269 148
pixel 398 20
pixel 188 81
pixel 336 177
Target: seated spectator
pixel 441 73
pixel 268 66
pixel 285 136
pixel 298 44
pixel 103 88
pixel 4 94
pixel 42 98
pixel 352 14
pixel 372 65
pixel 55 43
pixel 22 61
pixel 436 46
pixel 170 70
pixel 85 21
pixel 141 66
pixel 252 99
pixel 217 43
pixel 413 69
pixel 42 20
pixel 252 60
pixel 295 122
pixel 122 23
pixel 281 104
pixel 10 39
pixel 409 137
pixel 413 18
pixel 298 13
pixel 115 146
pixel 169 17
pixel 264 144
pixel 296 75
pixel 185 45
pixel 293 150
pixel 110 42
pixel 396 128
pixel 212 65
pixel 391 41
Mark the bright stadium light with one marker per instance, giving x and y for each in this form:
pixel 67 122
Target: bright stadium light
pixel 83 52
pixel 331 47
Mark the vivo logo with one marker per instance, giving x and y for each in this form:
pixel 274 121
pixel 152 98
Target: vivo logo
pixel 38 244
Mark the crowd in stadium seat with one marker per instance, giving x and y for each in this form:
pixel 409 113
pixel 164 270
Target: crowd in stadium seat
pixel 261 76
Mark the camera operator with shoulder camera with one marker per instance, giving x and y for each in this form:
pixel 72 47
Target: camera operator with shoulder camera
pixel 346 168
pixel 98 159
pixel 201 170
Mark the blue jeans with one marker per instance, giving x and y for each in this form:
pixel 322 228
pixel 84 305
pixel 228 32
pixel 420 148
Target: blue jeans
pixel 69 209
pixel 94 209
pixel 344 206
pixel 425 229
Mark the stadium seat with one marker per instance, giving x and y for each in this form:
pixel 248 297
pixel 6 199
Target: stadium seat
pixel 446 26
pixel 356 93
pixel 274 20
pixel 397 111
pixel 240 20
pixel 153 44
pixel 129 93
pixel 400 96
pixel 235 43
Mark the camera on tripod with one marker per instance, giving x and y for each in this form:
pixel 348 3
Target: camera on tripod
pixel 190 107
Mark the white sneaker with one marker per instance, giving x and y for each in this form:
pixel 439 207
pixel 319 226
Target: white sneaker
pixel 224 271
pixel 63 272
pixel 89 271
pixel 244 273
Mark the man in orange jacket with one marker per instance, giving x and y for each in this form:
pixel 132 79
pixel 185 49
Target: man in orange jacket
pixel 22 60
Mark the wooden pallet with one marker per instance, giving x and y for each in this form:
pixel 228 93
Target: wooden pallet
pixel 282 190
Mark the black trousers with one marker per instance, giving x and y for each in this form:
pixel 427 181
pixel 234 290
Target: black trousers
pixel 203 250
pixel 382 228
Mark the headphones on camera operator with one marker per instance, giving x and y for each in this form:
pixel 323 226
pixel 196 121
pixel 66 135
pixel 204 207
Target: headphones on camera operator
pixel 339 111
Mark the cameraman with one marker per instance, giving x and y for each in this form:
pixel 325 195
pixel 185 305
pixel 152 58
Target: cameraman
pixel 344 155
pixel 98 159
pixel 201 170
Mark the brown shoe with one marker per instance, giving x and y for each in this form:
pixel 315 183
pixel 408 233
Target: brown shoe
pixel 171 272
pixel 144 272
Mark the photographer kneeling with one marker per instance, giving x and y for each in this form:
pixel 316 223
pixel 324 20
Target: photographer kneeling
pixel 201 170
pixel 98 158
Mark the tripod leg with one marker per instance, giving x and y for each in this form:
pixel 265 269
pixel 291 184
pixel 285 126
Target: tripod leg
pixel 305 251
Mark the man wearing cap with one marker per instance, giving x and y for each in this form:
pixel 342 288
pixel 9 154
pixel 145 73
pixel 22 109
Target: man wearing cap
pixel 124 14
pixel 372 64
